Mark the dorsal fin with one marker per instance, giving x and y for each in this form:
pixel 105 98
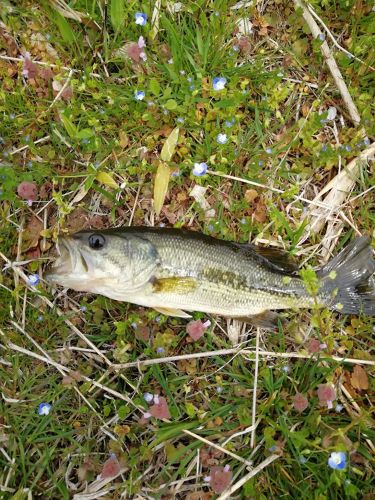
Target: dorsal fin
pixel 276 257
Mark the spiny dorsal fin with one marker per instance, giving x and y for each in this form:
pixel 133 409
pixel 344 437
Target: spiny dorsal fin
pixel 275 256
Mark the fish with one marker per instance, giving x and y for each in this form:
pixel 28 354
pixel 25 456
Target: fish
pixel 178 271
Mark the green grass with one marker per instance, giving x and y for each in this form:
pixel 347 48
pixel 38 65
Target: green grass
pixel 277 139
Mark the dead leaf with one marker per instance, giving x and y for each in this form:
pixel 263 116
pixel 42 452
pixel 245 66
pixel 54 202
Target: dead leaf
pixel 300 402
pixel 251 195
pixel 161 186
pixel 31 233
pixel 188 366
pixel 359 378
pixel 110 468
pixel 160 408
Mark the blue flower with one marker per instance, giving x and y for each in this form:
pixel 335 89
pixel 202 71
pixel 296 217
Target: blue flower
pixel 219 389
pixel 160 350
pixel 180 119
pixel 219 83
pixel 189 79
pixel 192 87
pixel 337 460
pixel 230 123
pixel 302 460
pixel 235 48
pixel 348 148
pixel 40 317
pixel 324 148
pixel 200 169
pixel 33 279
pixel 338 407
pixel 322 37
pixel 222 138
pixel 140 18
pixel 261 163
pixel 139 95
pixel 366 141
pixel 83 308
pixel 12 116
pixel 44 408
pixel 29 164
pixel 26 138
pixel 269 151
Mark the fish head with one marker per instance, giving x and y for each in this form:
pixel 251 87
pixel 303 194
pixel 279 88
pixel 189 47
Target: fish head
pixel 104 263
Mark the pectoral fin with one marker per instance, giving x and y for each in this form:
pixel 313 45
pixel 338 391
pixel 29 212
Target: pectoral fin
pixel 174 284
pixel 178 313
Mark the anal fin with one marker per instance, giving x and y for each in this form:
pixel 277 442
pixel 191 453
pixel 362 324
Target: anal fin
pixel 269 320
pixel 168 311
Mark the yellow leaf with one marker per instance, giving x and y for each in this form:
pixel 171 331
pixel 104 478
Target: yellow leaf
pixel 161 186
pixel 106 179
pixel 170 145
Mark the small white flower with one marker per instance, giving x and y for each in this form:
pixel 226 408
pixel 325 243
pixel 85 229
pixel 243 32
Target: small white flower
pixel 140 18
pixel 332 112
pixel 219 83
pixel 148 397
pixel 200 169
pixel 222 138
pixel 170 61
pixel 139 95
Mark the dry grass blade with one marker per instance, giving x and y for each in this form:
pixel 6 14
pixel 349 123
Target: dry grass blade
pixel 248 476
pixel 331 63
pixel 338 190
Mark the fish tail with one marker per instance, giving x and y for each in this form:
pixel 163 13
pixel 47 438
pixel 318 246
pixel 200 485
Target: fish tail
pixel 346 280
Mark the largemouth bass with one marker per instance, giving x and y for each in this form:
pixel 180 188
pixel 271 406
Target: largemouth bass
pixel 177 271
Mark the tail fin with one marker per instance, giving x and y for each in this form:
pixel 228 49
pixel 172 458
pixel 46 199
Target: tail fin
pixel 347 286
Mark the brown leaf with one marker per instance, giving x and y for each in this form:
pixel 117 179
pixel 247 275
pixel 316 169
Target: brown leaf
pixel 300 402
pixel 110 468
pixel 250 195
pixel 359 378
pixel 31 233
pixel 220 478
pixel 160 408
pixel 196 329
pixel 260 214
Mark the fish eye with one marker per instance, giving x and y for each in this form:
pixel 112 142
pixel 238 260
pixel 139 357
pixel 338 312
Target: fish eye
pixel 96 241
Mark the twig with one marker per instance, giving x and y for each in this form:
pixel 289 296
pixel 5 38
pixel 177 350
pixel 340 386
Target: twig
pixel 42 139
pixel 247 352
pixel 51 65
pixel 252 441
pixel 248 476
pixel 335 42
pixel 218 447
pixel 331 63
pixel 58 366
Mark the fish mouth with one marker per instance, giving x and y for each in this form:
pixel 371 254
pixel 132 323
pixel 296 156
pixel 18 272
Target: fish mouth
pixel 69 260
